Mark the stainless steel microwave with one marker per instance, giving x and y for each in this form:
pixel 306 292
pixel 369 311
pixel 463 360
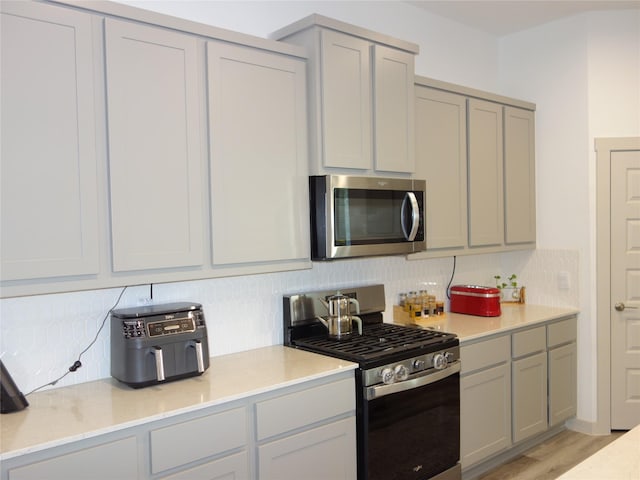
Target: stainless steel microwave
pixel 366 216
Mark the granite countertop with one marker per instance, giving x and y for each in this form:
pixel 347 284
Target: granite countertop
pixel 470 327
pixel 620 460
pixel 62 415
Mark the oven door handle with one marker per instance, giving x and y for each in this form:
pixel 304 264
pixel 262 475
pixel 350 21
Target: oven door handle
pixel 383 390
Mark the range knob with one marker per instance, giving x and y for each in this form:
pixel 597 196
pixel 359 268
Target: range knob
pixel 401 372
pixel 419 364
pixel 440 361
pixel 388 376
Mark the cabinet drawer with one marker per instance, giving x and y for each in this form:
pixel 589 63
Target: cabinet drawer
pixel 561 332
pixel 528 342
pixel 117 459
pixel 177 445
pixel 484 354
pixel 233 466
pixel 296 410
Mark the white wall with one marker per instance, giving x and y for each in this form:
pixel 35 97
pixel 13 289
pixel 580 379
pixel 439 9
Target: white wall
pixel 583 73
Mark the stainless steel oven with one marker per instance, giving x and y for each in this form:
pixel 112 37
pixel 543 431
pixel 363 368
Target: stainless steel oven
pixel 407 386
pixel 413 426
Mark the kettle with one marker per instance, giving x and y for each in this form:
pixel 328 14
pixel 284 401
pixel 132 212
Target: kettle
pixel 339 321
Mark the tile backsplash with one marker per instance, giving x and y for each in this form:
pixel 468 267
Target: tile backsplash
pixel 41 336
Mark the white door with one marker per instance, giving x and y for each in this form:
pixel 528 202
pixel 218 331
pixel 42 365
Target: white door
pixel 625 289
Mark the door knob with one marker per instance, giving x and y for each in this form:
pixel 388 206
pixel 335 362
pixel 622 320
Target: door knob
pixel 621 307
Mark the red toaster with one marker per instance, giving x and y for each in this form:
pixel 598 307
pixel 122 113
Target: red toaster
pixel 475 300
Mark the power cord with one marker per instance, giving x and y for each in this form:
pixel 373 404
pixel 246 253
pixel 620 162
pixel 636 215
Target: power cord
pixel 453 272
pixel 77 364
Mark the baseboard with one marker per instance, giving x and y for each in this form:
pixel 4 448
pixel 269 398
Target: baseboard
pixel 589 428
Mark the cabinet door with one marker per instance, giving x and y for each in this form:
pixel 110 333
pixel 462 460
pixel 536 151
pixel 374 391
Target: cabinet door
pixel 393 102
pixel 118 459
pixel 326 452
pixel 154 147
pixel 519 176
pixel 441 160
pixel 258 163
pixel 346 100
pixel 529 396
pixel 49 219
pixel 486 212
pixel 485 414
pixel 562 383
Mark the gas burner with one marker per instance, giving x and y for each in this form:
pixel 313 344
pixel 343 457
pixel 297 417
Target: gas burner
pixel 377 342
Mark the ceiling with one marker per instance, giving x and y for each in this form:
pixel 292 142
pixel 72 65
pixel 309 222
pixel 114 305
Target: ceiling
pixel 510 16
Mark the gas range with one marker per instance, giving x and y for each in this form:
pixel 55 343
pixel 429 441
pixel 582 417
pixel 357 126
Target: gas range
pixel 380 343
pixel 407 385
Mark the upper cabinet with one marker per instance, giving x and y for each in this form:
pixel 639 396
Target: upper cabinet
pixel 486 206
pixel 258 158
pixel 519 176
pixel 49 219
pixel 476 151
pixel 361 105
pixel 140 148
pixel 441 151
pixel 155 159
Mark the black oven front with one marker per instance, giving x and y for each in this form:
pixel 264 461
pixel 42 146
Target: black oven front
pixel 410 430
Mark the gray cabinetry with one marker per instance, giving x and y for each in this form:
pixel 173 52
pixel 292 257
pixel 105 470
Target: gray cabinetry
pixel 154 147
pixel 49 219
pixel 319 439
pixel 360 97
pixel 106 461
pixel 166 150
pixel 486 207
pixel 441 159
pixel 485 400
pixel 173 445
pixel 561 342
pixel 529 370
pixel 476 152
pixel 515 389
pixel 519 176
pixel 308 427
pixel 258 157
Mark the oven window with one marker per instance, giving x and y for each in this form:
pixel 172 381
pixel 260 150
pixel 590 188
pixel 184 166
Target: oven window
pixel 364 217
pixel 414 435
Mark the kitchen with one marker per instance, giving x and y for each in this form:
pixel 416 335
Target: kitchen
pixel 571 111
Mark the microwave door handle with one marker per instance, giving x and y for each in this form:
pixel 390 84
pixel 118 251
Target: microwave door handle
pixel 410 199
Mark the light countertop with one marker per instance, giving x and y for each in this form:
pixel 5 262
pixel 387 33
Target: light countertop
pixel 62 415
pixel 620 460
pixel 102 406
pixel 470 327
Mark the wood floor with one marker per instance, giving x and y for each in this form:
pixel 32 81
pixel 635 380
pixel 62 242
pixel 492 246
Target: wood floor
pixel 551 458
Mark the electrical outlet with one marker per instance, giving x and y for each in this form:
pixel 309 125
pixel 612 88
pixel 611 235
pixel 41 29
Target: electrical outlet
pixel 564 280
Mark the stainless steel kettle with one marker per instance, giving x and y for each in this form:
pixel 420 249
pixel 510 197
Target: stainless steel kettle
pixel 339 321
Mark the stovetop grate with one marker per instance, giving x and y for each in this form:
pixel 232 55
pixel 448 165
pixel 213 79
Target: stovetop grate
pixel 378 341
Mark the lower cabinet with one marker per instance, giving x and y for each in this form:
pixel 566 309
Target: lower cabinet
pixel 287 445
pixel 485 415
pixel 230 467
pixel 485 400
pixel 529 396
pixel 309 427
pixel 326 452
pixel 514 387
pixel 562 361
pixel 106 461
